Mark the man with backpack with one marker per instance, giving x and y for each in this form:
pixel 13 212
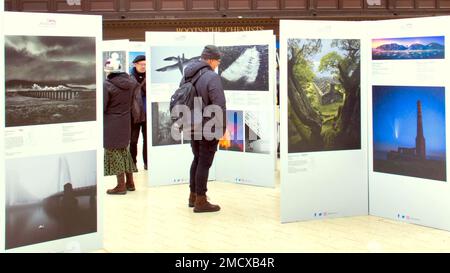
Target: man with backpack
pixel 208 86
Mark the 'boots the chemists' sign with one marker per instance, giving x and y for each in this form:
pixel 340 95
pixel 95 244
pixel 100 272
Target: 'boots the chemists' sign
pixel 219 29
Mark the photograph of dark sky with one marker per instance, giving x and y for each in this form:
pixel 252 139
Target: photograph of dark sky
pixel 49 60
pixel 395 118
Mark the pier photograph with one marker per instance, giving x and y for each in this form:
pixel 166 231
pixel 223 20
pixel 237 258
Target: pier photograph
pixel 49 80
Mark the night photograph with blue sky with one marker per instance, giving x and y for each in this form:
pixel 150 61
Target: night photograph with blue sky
pixel 395 119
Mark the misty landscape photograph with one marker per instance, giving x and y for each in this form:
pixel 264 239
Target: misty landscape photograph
pixel 49 80
pixel 50 197
pixel 408 48
pixel 245 67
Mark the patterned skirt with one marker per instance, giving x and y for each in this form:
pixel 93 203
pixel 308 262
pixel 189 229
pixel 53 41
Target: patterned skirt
pixel 118 161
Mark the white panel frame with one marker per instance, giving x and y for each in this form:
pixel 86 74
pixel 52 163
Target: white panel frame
pixel 326 184
pixel 169 164
pixel 255 169
pixel 404 198
pixel 46 24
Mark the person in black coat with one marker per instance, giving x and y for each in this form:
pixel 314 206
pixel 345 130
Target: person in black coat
pixel 118 89
pixel 138 122
pixel 209 87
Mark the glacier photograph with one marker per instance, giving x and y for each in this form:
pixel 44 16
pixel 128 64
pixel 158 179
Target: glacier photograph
pixel 245 68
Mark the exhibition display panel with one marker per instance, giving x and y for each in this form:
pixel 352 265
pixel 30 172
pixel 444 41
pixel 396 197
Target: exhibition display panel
pixel 52 133
pixel 323 120
pixel 247 72
pixel 168 54
pixel 408 80
pixel 363 120
pixel 247 150
pixel 393 154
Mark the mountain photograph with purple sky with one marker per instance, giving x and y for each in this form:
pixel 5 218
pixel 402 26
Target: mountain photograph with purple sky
pixel 409 48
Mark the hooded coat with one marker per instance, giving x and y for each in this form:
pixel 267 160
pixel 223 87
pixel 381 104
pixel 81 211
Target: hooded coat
pixel 117 95
pixel 209 87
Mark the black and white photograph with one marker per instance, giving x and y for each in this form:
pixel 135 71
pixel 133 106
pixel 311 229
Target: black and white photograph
pixel 168 62
pixel 161 125
pixel 50 197
pixel 119 55
pixel 257 132
pixel 49 79
pixel 245 68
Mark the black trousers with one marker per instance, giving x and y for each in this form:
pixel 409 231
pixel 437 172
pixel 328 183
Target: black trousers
pixel 135 130
pixel 204 151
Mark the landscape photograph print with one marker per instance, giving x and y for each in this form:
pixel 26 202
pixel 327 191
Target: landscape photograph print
pixel 409 131
pixel 49 80
pixel 324 95
pixel 168 62
pixel 245 67
pixel 432 47
pixel 162 125
pixel 50 197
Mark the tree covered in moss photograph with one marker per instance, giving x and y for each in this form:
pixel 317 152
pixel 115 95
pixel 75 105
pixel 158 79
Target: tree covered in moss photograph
pixel 324 95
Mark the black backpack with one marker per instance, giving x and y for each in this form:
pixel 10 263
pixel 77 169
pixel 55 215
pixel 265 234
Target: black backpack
pixel 185 94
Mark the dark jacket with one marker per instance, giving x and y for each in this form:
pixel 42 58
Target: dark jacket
pixel 209 87
pixel 140 78
pixel 138 114
pixel 117 92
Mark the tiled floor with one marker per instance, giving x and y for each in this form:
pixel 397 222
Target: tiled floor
pixel 158 219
